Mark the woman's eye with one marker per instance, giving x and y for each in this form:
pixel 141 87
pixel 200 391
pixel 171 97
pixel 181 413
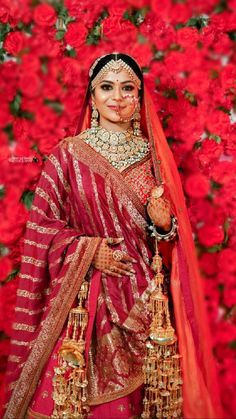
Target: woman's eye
pixel 106 87
pixel 129 87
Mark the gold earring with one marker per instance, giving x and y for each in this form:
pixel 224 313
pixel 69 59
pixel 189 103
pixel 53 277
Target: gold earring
pixel 94 117
pixel 136 121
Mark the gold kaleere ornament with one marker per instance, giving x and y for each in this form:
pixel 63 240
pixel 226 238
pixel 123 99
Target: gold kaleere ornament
pixel 162 363
pixel 70 379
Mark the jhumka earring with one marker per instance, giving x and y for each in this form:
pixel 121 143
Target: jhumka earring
pixel 94 117
pixel 136 121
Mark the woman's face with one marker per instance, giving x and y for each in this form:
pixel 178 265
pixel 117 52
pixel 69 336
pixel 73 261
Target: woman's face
pixel 115 97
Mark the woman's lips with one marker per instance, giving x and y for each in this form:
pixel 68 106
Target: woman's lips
pixel 116 108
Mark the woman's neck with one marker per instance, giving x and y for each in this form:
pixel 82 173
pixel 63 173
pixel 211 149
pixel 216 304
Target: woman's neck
pixel 115 126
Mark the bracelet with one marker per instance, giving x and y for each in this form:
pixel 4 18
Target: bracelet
pixel 167 236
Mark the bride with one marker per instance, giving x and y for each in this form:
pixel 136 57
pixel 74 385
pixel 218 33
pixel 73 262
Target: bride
pixel 101 233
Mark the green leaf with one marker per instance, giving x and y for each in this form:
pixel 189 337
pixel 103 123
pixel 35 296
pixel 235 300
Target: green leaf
pixel 60 34
pixel 215 137
pixel 159 55
pixel 15 104
pixel 190 97
pixel 12 275
pixel 197 145
pixel 27 198
pixel 232 344
pixel 4 29
pixel 221 288
pixel 223 109
pixel 8 129
pixel 214 74
pixel 222 6
pixel 175 47
pixel 3 250
pixel 142 39
pixel 70 52
pixel 198 22
pixel 179 26
pixel 136 16
pixel 25 27
pixel 2 191
pixel 232 35
pixel 215 185
pixel 170 93
pixel 57 106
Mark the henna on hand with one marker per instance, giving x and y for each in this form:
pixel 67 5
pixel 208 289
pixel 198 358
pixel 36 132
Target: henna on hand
pixel 104 261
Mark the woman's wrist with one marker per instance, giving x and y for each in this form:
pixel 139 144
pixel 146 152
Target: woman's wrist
pixel 162 233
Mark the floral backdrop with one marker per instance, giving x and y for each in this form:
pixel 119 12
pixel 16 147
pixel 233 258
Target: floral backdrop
pixel 187 50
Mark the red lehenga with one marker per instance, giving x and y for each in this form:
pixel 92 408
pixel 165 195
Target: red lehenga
pixel 81 198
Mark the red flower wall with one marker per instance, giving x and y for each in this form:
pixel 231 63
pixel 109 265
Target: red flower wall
pixel 187 49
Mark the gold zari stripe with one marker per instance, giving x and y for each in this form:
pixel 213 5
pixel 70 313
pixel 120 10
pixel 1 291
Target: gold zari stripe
pixel 32 243
pixel 33 261
pixel 25 327
pixel 30 295
pixel 39 229
pixel 58 168
pixel 49 200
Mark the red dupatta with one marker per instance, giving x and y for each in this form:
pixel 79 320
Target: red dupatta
pixel 58 251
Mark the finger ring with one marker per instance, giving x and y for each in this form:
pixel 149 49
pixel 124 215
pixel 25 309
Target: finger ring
pixel 110 240
pixel 117 255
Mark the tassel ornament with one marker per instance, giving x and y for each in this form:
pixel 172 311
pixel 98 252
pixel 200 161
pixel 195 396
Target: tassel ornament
pixel 70 380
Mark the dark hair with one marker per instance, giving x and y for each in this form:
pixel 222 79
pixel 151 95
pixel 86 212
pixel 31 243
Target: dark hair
pixel 116 56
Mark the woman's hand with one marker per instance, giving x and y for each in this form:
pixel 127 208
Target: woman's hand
pixel 114 263
pixel 159 211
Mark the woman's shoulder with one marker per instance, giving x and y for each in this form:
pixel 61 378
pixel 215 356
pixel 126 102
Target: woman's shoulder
pixel 65 142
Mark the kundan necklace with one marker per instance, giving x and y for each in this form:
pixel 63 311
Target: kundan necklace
pixel 120 148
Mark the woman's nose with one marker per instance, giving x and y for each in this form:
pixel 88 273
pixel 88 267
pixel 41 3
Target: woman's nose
pixel 117 93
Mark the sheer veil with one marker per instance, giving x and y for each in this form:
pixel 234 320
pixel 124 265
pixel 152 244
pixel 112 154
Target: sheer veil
pixel 200 389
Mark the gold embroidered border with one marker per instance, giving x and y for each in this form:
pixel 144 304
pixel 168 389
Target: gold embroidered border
pixel 27 383
pixel 31 414
pixel 82 151
pixel 60 243
pixel 134 384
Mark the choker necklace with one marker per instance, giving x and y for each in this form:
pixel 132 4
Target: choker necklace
pixel 120 148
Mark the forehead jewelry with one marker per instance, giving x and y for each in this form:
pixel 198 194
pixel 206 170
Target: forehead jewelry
pixel 116 66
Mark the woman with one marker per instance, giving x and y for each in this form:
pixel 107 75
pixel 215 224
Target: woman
pixel 87 237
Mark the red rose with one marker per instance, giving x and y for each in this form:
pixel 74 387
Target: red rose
pixel 14 42
pixel 30 84
pixel 210 235
pixel 197 185
pixel 45 15
pixel 208 263
pixel 227 261
pixel 230 296
pixel 5 267
pixel 76 34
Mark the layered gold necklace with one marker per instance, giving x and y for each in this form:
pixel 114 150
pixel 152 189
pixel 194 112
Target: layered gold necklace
pixel 120 148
